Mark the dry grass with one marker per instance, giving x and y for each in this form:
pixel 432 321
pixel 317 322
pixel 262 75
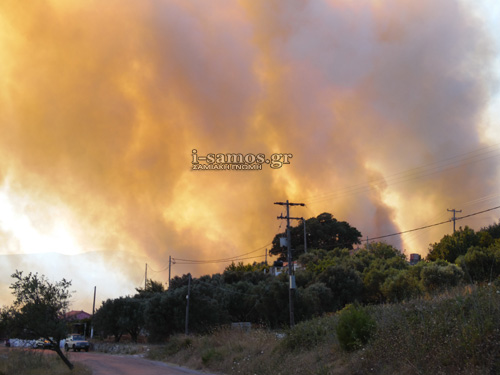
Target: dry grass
pixel 456 332
pixel 28 362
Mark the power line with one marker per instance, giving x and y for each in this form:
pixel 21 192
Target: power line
pixel 412 174
pixel 163 270
pixel 436 224
pixel 234 258
pixel 180 261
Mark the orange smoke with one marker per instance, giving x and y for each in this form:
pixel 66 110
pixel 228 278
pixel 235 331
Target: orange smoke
pixel 102 104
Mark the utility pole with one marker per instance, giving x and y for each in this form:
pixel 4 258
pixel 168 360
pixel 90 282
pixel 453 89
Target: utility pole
pixel 146 277
pixel 266 257
pixel 291 275
pixel 305 236
pixel 169 269
pixel 187 304
pixel 454 218
pixel 93 311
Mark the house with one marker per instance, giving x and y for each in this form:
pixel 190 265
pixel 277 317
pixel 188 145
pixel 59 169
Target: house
pixel 280 267
pixel 77 315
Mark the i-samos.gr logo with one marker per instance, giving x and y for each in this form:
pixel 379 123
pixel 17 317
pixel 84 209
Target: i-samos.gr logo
pixel 237 162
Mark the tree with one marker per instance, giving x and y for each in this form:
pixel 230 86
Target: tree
pixel 440 275
pixel 106 319
pixel 452 246
pixel 131 317
pixel 323 232
pixel 480 263
pixel 345 284
pixel 152 287
pixel 39 306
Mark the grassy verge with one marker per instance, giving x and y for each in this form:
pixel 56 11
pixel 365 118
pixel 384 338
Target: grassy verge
pixel 28 362
pixel 456 332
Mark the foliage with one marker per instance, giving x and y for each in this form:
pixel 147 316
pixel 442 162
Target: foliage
pixel 39 306
pixel 457 332
pixel 401 286
pixel 323 232
pixel 131 316
pixel 355 327
pixel 345 284
pixel 440 275
pixel 480 263
pixel 493 230
pixel 119 316
pixel 310 333
pixel 452 246
pixel 152 288
pixel 328 280
pixel 106 319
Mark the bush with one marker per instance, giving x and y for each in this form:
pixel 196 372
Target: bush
pixel 310 333
pixel 440 275
pixel 354 328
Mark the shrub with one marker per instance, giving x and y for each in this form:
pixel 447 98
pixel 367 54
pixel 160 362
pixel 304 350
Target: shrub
pixel 211 354
pixel 440 275
pixel 309 333
pixel 354 328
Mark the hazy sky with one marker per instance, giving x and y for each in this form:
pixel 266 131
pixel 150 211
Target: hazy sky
pixel 389 108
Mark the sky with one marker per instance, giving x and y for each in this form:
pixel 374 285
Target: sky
pixel 387 111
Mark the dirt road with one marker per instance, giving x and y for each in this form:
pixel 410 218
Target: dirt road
pixel 105 364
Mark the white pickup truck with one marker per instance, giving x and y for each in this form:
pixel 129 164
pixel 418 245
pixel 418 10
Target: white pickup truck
pixel 77 343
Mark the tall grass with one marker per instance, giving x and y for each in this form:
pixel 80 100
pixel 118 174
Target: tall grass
pixel 455 332
pixel 28 362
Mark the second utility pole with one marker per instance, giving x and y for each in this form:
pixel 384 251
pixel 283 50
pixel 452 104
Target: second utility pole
pixel 289 254
pixel 454 218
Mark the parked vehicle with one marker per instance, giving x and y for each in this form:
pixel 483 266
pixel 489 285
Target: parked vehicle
pixel 77 343
pixel 42 343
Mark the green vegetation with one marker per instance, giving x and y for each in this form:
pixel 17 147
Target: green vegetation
pixel 358 311
pixel 37 310
pixel 355 327
pixel 330 278
pixel 453 332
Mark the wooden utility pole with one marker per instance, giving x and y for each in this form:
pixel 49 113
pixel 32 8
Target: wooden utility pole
pixel 146 277
pixel 169 269
pixel 454 217
pixel 305 236
pixel 289 254
pixel 93 311
pixel 187 304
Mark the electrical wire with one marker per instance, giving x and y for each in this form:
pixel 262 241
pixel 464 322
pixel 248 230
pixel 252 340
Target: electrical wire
pixel 433 225
pixel 411 174
pixel 192 261
pixel 223 260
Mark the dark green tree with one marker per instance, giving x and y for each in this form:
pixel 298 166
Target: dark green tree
pixel 401 286
pixel 452 246
pixel 131 317
pixel 152 287
pixel 344 282
pixel 440 275
pixel 481 264
pixel 323 232
pixel 493 230
pixel 38 308
pixel 106 319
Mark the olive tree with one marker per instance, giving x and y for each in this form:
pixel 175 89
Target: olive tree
pixel 39 308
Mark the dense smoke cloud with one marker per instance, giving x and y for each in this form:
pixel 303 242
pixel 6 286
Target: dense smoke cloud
pixel 102 104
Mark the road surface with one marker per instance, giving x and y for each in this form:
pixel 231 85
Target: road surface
pixel 106 364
